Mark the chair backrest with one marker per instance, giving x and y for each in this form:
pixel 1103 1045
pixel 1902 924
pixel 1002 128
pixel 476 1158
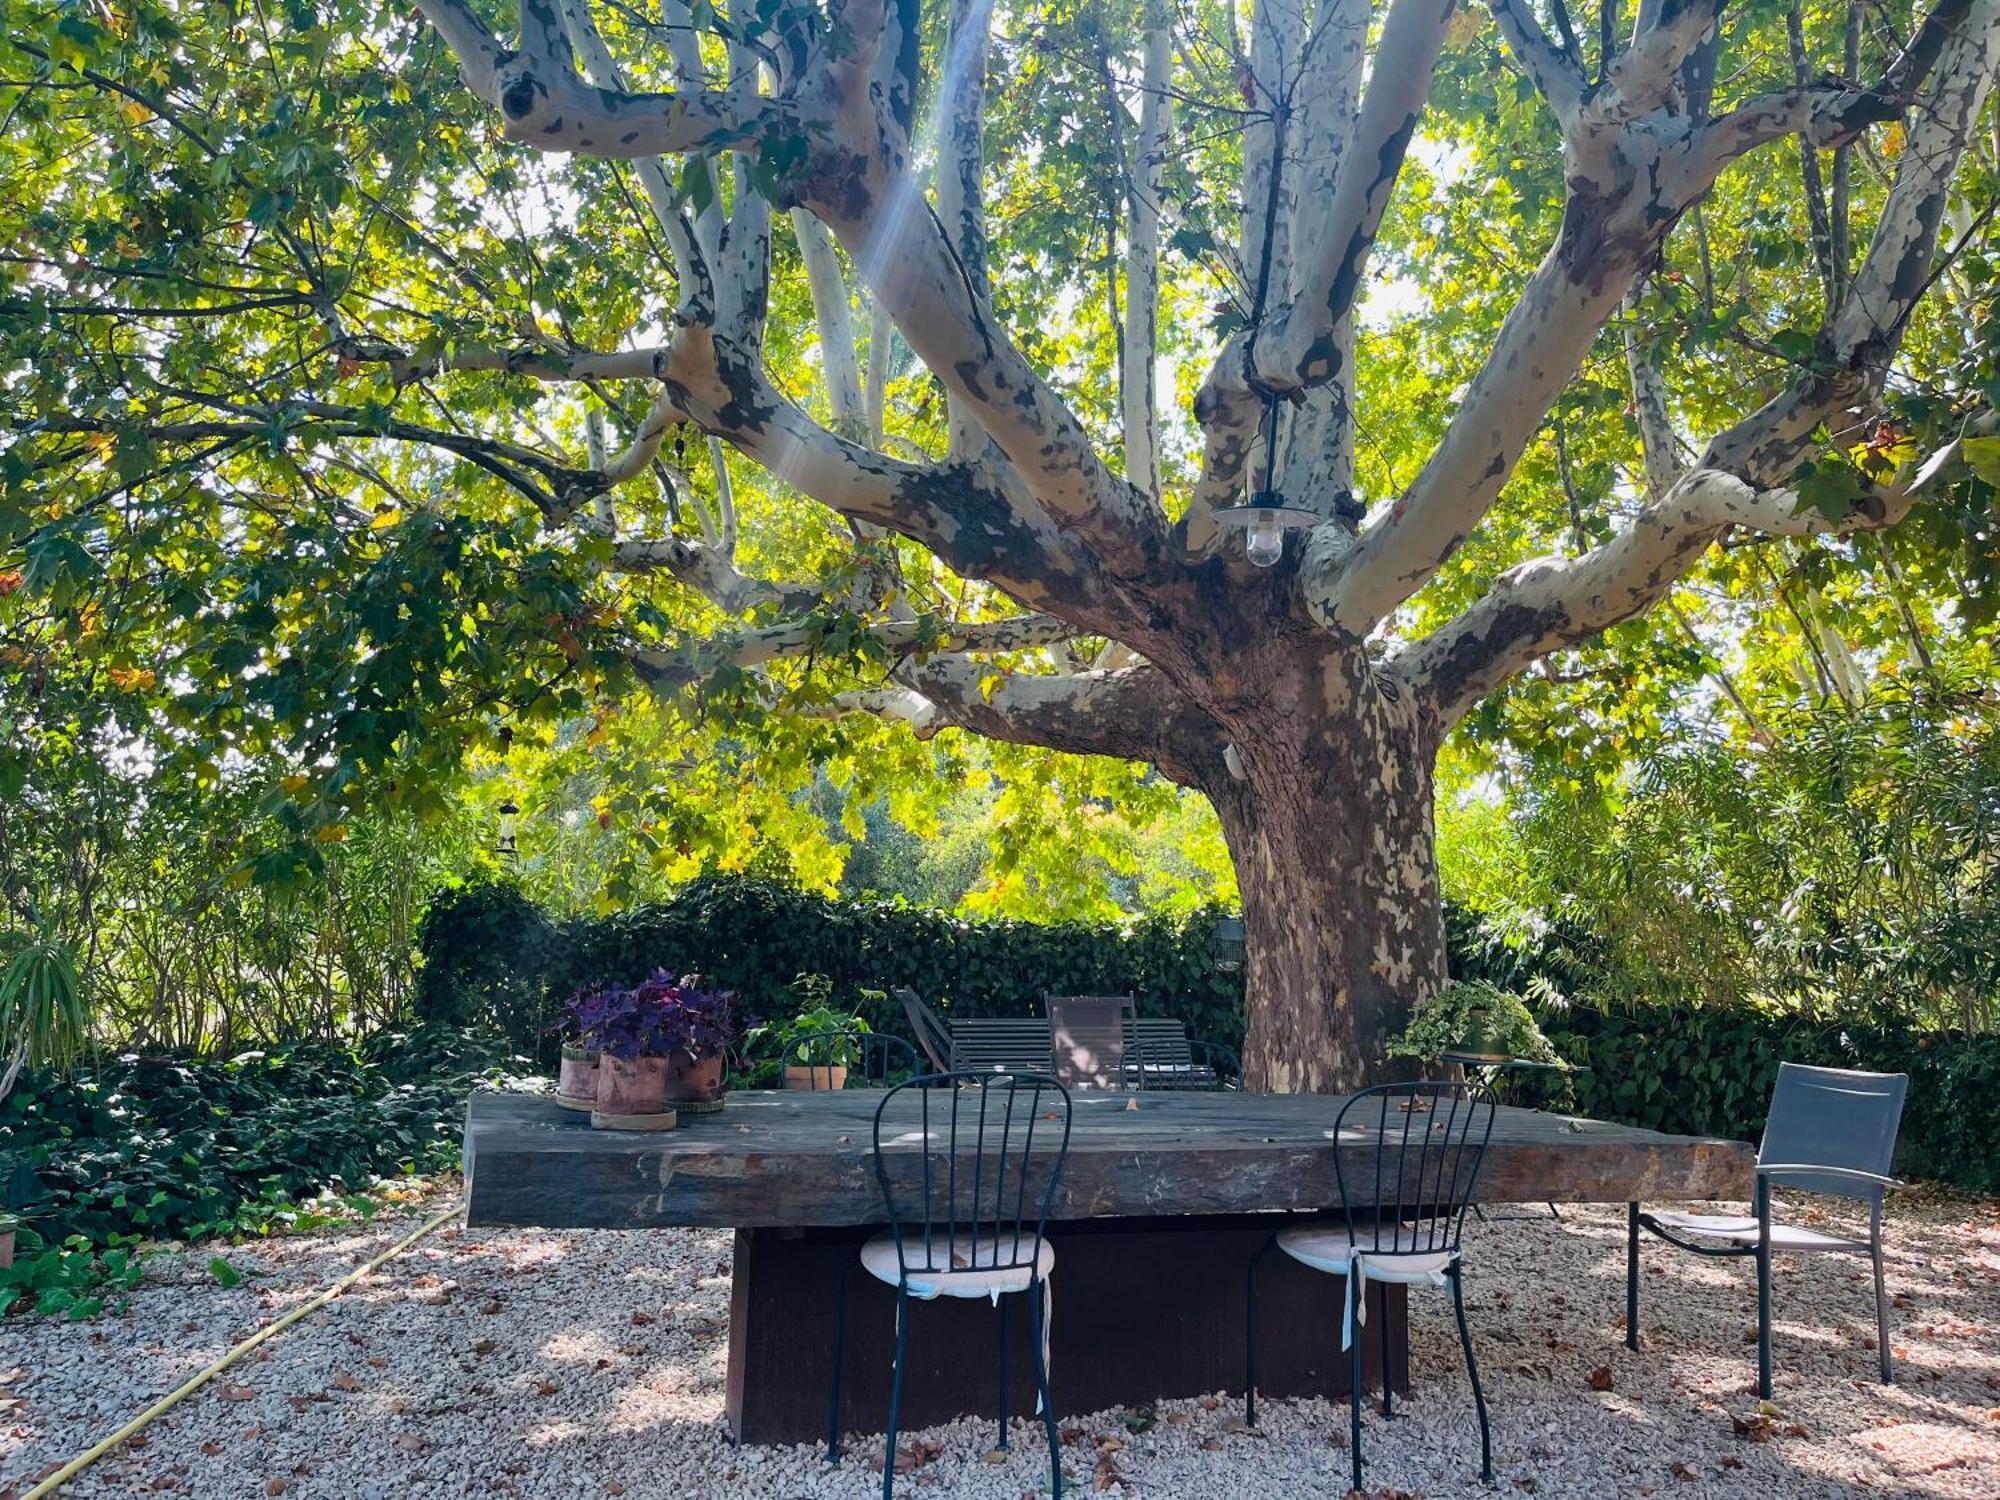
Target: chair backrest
pixel 957 1158
pixel 1088 1035
pixel 932 1034
pixel 1407 1186
pixel 873 1059
pixel 1833 1117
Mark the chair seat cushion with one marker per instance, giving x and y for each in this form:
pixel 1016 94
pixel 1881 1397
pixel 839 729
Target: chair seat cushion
pixel 964 1266
pixel 1741 1229
pixel 1327 1247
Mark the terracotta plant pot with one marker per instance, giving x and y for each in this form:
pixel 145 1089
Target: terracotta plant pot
pixel 694 1081
pixel 576 1084
pixel 631 1086
pixel 818 1078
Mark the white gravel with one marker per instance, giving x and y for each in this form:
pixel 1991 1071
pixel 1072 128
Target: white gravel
pixel 584 1364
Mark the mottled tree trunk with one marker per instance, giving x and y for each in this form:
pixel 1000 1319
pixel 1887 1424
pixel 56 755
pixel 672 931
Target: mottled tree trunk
pixel 1335 856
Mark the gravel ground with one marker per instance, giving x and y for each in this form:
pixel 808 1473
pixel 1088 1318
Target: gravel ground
pixel 587 1364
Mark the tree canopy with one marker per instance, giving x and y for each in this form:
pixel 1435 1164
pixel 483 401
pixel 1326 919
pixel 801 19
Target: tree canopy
pixel 703 400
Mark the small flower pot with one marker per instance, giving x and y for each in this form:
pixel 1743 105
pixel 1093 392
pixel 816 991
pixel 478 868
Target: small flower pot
pixel 576 1084
pixel 818 1078
pixel 1477 1041
pixel 631 1085
pixel 695 1082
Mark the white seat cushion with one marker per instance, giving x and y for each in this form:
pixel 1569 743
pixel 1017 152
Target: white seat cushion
pixel 1741 1229
pixel 961 1267
pixel 1326 1247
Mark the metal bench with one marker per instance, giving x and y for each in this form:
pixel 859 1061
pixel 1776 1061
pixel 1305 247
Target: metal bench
pixel 1158 1046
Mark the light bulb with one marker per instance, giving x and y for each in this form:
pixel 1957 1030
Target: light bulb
pixel 1264 540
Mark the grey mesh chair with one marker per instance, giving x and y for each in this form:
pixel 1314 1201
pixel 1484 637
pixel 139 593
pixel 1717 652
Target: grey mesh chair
pixel 1829 1131
pixel 1087 1041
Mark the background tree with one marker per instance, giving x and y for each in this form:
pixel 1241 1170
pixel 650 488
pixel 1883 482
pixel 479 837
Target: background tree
pixel 352 426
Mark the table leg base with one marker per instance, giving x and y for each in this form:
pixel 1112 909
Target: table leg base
pixel 1143 1310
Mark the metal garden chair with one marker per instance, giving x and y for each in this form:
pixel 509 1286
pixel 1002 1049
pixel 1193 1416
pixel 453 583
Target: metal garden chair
pixel 968 1204
pixel 1830 1130
pixel 1087 1041
pixel 879 1059
pixel 1402 1218
pixel 932 1032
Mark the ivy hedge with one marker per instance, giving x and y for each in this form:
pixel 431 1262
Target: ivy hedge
pixel 490 957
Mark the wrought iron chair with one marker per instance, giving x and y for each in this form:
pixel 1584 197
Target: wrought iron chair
pixel 1087 1041
pixel 1402 1219
pixel 1830 1130
pixel 968 1204
pixel 879 1059
pixel 932 1032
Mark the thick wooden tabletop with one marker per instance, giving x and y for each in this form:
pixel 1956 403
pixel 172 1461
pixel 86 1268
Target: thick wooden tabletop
pixel 801 1159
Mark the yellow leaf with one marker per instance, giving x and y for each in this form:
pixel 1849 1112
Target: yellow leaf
pixel 333 833
pixel 295 783
pixel 384 519
pixel 134 112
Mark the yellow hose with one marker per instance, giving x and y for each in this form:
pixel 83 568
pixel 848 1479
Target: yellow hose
pixel 84 1460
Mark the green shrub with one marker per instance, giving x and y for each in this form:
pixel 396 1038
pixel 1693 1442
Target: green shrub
pixel 488 956
pixel 165 1147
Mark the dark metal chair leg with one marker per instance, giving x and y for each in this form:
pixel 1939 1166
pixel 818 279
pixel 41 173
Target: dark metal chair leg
pixel 839 1343
pixel 1250 1336
pixel 1353 1323
pixel 1881 1300
pixel 895 1394
pixel 1382 1335
pixel 1763 1289
pixel 1472 1370
pixel 1036 1314
pixel 1006 1371
pixel 1632 1277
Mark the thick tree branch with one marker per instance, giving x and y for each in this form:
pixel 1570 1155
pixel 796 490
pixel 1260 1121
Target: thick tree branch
pixel 1297 347
pixel 544 103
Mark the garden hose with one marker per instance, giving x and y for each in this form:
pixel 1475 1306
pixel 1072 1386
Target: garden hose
pixel 84 1460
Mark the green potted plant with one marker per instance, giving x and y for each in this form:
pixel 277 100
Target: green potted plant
pixel 1474 1022
pixel 816 1046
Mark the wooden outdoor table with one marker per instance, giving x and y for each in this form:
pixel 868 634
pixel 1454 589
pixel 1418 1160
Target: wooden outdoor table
pixel 1156 1217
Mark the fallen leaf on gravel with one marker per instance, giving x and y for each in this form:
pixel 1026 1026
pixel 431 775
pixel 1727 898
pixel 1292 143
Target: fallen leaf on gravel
pixel 210 1448
pixel 490 1305
pixel 1681 1470
pixel 1758 1427
pixel 236 1393
pixel 377 1362
pixel 1183 1418
pixel 1730 1461
pixel 1240 1427
pixel 994 1456
pixel 409 1442
pixel 483 1346
pixel 1525 1484
pixel 274 1486
pixel 641 1319
pixel 614 1488
pixel 1208 1403
pixel 1068 1435
pixel 1795 1429
pixel 545 1388
pixel 1212 1445
pixel 1110 1444
pixel 1600 1378
pixel 342 1381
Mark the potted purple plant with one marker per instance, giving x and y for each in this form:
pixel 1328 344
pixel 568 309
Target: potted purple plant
pixel 701 1025
pixel 576 1081
pixel 628 1029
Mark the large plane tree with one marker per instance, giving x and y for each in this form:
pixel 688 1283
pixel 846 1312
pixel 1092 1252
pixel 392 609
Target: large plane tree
pixel 247 291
